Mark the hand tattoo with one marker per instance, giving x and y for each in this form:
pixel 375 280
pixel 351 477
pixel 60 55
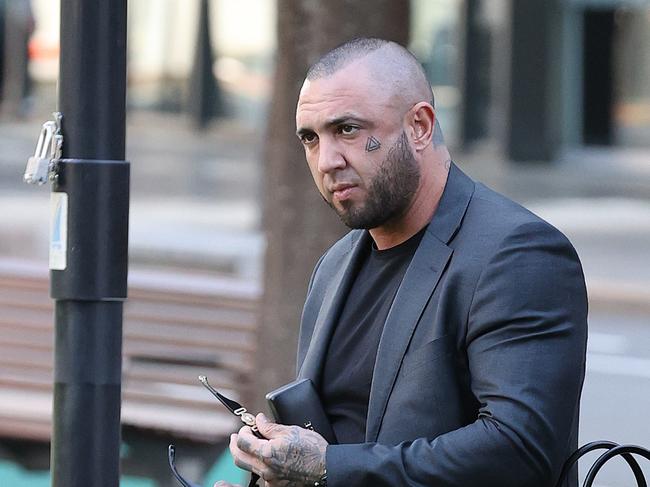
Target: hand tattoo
pixel 299 458
pixel 372 144
pixel 291 457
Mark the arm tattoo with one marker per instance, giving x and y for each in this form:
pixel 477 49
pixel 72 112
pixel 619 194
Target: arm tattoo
pixel 372 144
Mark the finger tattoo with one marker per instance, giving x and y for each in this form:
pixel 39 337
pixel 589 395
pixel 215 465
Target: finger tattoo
pixel 244 444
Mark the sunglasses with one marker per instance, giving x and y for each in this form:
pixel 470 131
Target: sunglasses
pixel 234 407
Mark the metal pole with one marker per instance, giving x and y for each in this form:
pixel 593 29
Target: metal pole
pixel 534 109
pixel 89 265
pixel 205 96
pixel 475 79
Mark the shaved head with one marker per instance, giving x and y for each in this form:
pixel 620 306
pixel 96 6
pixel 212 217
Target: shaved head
pixel 390 62
pixel 390 65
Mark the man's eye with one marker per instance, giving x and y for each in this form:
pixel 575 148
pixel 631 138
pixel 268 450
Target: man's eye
pixel 308 138
pixel 348 129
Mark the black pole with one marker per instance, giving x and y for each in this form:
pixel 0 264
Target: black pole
pixel 204 100
pixel 88 254
pixel 476 75
pixel 535 111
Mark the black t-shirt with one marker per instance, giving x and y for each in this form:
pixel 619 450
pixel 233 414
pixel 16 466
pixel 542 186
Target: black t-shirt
pixel 350 361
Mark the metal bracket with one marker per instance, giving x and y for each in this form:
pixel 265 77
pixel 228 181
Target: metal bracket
pixel 43 164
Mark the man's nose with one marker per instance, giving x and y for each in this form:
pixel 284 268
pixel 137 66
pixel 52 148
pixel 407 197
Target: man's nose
pixel 330 158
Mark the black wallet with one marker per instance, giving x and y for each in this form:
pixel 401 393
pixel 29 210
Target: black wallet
pixel 297 403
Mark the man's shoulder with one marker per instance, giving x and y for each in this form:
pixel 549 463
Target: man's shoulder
pixel 486 214
pixel 501 213
pixel 492 219
pixel 333 260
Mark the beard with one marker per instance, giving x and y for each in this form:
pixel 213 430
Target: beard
pixel 390 191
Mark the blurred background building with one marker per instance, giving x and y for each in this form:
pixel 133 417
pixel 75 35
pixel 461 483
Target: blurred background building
pixel 547 101
pixel 590 67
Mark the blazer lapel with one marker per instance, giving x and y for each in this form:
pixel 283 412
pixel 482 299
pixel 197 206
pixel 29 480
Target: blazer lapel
pixel 418 284
pixel 333 300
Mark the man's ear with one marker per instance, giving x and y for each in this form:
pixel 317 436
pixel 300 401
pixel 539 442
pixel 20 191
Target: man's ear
pixel 422 119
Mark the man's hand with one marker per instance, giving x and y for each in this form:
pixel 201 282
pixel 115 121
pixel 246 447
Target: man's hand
pixel 290 456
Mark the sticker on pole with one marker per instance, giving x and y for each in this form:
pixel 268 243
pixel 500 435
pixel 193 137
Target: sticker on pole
pixel 58 231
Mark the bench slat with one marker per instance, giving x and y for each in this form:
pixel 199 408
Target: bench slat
pixel 176 326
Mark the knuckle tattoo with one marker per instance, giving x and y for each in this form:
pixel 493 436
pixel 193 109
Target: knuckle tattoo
pixel 243 444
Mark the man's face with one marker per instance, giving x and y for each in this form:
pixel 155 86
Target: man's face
pixel 356 147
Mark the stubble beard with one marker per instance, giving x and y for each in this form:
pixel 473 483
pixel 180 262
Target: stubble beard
pixel 390 191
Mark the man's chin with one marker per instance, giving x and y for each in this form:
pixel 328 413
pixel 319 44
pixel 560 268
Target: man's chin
pixel 343 212
pixel 345 218
pixel 353 221
pixel 351 216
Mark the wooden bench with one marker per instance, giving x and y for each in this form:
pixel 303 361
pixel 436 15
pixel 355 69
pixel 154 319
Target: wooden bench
pixel 177 325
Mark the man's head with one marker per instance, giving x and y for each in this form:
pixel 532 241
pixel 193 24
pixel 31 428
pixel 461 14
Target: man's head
pixel 404 67
pixel 365 118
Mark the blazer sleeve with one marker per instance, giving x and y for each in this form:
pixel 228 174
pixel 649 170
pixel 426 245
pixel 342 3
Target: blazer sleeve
pixel 525 344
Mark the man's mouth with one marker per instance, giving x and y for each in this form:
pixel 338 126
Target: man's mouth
pixel 342 191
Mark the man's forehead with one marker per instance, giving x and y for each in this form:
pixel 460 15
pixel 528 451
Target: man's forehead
pixel 351 79
pixel 320 115
pixel 343 92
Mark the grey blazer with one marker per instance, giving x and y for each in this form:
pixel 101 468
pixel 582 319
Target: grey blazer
pixel 480 366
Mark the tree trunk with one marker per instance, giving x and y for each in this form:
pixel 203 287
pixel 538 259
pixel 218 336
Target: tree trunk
pixel 299 226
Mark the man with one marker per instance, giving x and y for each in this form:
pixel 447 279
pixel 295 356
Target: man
pixel 447 332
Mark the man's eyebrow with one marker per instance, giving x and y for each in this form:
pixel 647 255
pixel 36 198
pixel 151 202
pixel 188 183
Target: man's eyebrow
pixel 334 122
pixel 303 131
pixel 345 118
